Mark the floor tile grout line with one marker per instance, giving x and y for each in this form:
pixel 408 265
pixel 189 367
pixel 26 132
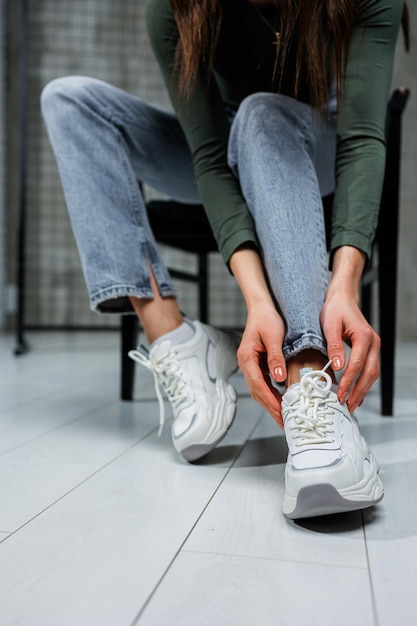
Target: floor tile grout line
pixel 279 560
pixel 210 499
pixel 82 482
pixel 371 584
pixel 70 422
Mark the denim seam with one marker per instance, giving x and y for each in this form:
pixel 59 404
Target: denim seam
pixel 127 290
pixel 134 197
pixel 304 343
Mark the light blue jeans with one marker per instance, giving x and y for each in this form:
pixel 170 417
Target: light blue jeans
pixel 105 140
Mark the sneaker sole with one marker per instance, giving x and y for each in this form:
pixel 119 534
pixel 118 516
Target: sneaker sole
pixel 197 451
pixel 226 412
pixel 325 499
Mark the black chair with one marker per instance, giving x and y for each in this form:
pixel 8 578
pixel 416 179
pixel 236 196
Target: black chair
pixel 171 225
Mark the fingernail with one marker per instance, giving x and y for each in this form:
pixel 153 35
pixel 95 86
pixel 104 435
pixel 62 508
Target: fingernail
pixel 344 398
pixel 353 407
pixel 337 363
pixel 279 372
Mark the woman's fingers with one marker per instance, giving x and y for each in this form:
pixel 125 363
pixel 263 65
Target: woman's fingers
pixel 260 359
pixel 343 321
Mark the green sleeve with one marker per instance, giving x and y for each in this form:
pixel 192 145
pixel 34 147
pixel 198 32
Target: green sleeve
pixel 360 157
pixel 206 128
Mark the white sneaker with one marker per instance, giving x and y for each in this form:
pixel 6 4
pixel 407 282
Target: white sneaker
pixel 330 468
pixel 194 376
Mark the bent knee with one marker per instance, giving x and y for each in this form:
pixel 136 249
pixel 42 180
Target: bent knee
pixel 284 110
pixel 61 91
pixel 255 104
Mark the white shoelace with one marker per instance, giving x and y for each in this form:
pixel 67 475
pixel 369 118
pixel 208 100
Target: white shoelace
pixel 166 374
pixel 311 416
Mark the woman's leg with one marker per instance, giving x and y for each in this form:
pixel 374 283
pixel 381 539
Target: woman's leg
pixel 273 150
pixel 104 139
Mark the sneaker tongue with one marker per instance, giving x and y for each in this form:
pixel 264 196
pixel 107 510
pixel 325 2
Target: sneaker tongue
pixel 309 370
pixel 292 394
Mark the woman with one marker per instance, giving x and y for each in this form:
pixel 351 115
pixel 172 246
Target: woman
pixel 254 138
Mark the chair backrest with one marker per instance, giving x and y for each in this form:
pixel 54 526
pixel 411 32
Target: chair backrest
pixel 389 207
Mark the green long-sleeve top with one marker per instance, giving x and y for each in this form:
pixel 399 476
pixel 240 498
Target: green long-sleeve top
pixel 243 64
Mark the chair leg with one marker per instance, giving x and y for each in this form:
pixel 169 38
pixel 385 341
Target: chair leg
pixel 388 252
pixel 387 315
pixel 128 341
pixel 366 301
pixel 387 285
pixel 203 286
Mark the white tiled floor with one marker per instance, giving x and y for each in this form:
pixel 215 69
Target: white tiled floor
pixel 101 523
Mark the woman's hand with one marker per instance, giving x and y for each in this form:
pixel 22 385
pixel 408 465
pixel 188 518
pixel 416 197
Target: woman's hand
pixel 342 321
pixel 260 356
pixel 260 352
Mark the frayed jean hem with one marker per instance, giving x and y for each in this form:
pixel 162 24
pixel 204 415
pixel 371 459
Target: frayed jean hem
pixel 306 342
pixel 115 300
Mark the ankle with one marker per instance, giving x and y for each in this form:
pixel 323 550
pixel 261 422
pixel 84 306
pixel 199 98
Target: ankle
pixel 306 359
pixel 161 327
pixel 179 335
pixel 157 317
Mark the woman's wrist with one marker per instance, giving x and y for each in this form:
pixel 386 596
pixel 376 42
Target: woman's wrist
pixel 348 264
pixel 247 268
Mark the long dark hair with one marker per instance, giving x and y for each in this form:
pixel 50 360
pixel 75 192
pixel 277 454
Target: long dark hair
pixel 319 24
